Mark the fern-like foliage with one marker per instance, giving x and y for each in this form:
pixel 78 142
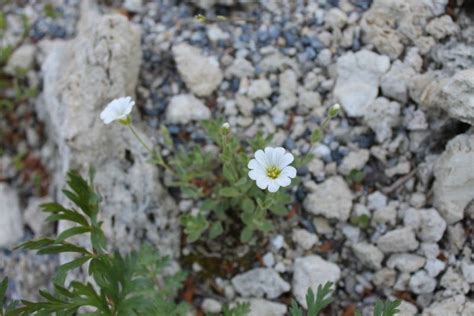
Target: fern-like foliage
pixel 384 308
pixel 122 284
pixel 315 303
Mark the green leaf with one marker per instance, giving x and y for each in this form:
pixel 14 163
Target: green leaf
pixel 279 210
pixel 78 230
pixel 229 192
pixel 194 226
pixel 3 290
pixel 362 221
pixel 215 230
pixel 246 234
pixel 60 275
pixel 168 141
pixel 64 247
pixel 35 244
pixel 356 176
pixel 386 308
pixel 228 172
pixel 378 309
pixel 247 205
pixel 295 310
pixel 316 135
pixel 391 308
pixel 323 298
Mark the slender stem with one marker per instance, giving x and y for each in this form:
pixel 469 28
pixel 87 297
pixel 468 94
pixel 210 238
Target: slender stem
pixel 152 152
pixel 324 125
pixel 140 140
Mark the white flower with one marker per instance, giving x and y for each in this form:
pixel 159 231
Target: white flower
pixel 118 109
pixel 271 168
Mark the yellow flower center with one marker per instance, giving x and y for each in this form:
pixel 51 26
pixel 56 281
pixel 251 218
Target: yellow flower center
pixel 273 172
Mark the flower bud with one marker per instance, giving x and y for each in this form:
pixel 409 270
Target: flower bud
pixel 334 110
pixel 201 18
pixel 225 128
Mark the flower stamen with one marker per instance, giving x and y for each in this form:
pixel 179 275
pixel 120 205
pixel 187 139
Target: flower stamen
pixel 273 172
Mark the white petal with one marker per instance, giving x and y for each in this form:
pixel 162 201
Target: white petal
pixel 106 116
pixel 288 171
pixel 261 157
pixel 256 174
pixel 283 181
pixel 278 153
pixel 262 182
pixel 117 109
pixel 254 164
pixel 269 155
pixel 285 160
pixel 273 186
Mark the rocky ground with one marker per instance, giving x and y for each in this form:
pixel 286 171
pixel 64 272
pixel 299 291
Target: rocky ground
pixel 385 210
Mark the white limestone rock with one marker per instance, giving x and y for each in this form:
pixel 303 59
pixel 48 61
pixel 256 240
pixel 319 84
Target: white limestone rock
pixel 260 282
pixel 260 89
pixel 368 254
pixel 358 79
pixel 185 108
pixel 453 188
pixel 398 240
pixel 395 82
pixel 201 74
pixel 11 221
pixel 355 160
pixel 331 199
pixel 304 238
pixel 312 271
pixel 422 283
pixel 381 116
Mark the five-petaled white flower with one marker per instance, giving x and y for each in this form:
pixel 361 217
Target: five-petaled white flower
pixel 118 109
pixel 271 168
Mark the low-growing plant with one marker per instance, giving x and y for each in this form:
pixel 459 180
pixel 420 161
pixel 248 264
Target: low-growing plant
pixel 130 284
pixel 235 191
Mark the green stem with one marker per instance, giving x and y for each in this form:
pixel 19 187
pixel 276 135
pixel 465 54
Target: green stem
pixel 150 151
pixel 140 140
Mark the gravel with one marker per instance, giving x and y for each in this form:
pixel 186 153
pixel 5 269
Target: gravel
pixel 402 71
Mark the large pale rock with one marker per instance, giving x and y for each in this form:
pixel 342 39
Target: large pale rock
pixel 456 96
pixel 381 116
pixel 428 224
pixel 396 81
pixel 391 23
pixel 80 77
pixel 358 79
pixel 11 222
pixel 312 271
pixel 185 108
pixel 201 74
pixel 260 282
pixel 369 255
pixel 453 188
pixel 331 199
pixel 398 240
pixel 450 306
